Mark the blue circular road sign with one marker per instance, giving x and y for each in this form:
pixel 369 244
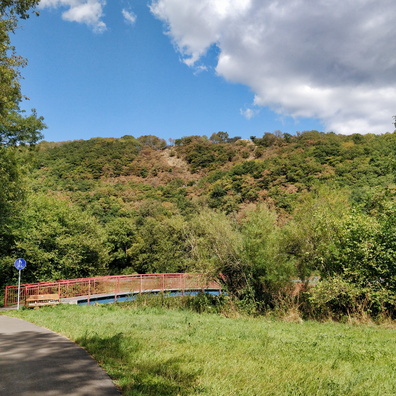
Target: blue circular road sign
pixel 20 263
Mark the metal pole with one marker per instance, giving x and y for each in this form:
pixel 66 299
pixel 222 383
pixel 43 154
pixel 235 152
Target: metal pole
pixel 19 287
pixel 89 292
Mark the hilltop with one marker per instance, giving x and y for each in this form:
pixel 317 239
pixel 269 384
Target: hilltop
pixel 226 173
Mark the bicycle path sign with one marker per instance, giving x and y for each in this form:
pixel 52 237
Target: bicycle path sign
pixel 20 264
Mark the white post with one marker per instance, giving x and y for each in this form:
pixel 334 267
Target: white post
pixel 19 288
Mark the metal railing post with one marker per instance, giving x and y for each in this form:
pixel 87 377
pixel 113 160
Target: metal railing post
pixel 117 289
pixel 26 292
pixel 89 292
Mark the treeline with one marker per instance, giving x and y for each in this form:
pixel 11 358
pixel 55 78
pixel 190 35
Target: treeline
pixel 260 211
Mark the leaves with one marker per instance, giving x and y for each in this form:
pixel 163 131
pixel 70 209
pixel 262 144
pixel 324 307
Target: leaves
pixel 59 241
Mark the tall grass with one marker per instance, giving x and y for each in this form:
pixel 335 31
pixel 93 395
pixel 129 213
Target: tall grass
pixel 158 351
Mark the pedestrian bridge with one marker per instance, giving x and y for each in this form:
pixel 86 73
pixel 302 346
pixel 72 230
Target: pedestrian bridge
pixel 106 289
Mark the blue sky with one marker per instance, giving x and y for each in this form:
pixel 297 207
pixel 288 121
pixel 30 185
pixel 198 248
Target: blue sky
pixel 184 67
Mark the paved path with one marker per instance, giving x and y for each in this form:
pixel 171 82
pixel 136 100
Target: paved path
pixel 37 362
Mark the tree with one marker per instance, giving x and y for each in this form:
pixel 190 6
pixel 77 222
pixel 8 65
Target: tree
pixel 266 266
pixel 268 140
pixel 60 241
pixel 219 137
pixel 358 275
pixel 120 235
pixel 313 229
pixel 213 244
pixel 21 8
pixel 158 246
pixel 16 130
pixel 152 141
pixel 10 63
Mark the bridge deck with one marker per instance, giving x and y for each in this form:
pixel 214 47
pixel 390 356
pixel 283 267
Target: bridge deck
pixel 109 298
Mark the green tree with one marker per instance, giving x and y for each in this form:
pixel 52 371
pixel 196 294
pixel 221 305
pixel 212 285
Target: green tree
pixel 159 246
pixel 120 237
pixel 267 268
pixel 152 141
pixel 21 8
pixel 364 256
pixel 16 130
pixel 246 257
pixel 316 224
pixel 214 247
pixel 219 137
pixel 60 241
pixel 213 244
pixel 268 140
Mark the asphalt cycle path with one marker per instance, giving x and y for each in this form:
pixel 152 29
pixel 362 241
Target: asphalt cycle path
pixel 37 362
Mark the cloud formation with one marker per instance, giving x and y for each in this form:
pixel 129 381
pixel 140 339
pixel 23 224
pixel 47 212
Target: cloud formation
pixel 331 60
pixel 248 113
pixel 89 12
pixel 129 17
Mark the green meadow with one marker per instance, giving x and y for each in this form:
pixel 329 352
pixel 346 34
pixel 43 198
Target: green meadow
pixel 160 351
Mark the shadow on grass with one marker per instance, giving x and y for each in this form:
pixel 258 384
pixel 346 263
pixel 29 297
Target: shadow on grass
pixel 120 356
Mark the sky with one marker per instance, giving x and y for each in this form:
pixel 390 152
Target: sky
pixel 174 68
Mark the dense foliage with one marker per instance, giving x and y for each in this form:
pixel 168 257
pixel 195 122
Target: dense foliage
pixel 260 212
pixel 18 132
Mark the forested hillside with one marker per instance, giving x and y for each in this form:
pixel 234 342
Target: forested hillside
pixel 260 211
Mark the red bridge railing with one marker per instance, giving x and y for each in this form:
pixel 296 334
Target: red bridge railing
pixel 113 285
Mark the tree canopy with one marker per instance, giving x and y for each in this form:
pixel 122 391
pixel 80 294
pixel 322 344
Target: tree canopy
pixel 17 130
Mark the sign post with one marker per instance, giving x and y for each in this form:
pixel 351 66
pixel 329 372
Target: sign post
pixel 19 264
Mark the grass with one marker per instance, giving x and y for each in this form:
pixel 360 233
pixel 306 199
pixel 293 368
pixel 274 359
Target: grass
pixel 159 351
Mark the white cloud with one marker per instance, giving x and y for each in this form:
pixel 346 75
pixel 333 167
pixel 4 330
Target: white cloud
pixel 332 60
pixel 89 12
pixel 129 17
pixel 249 113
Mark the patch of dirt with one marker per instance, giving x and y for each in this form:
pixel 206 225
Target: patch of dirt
pixel 174 161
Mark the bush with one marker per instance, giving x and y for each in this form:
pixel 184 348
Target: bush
pixel 205 302
pixel 336 298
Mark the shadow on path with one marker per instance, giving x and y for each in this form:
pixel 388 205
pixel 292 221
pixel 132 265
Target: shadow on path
pixel 35 361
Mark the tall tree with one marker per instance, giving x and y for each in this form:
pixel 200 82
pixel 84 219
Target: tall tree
pixel 59 241
pixel 16 129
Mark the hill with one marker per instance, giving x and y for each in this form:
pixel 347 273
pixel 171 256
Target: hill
pixel 270 208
